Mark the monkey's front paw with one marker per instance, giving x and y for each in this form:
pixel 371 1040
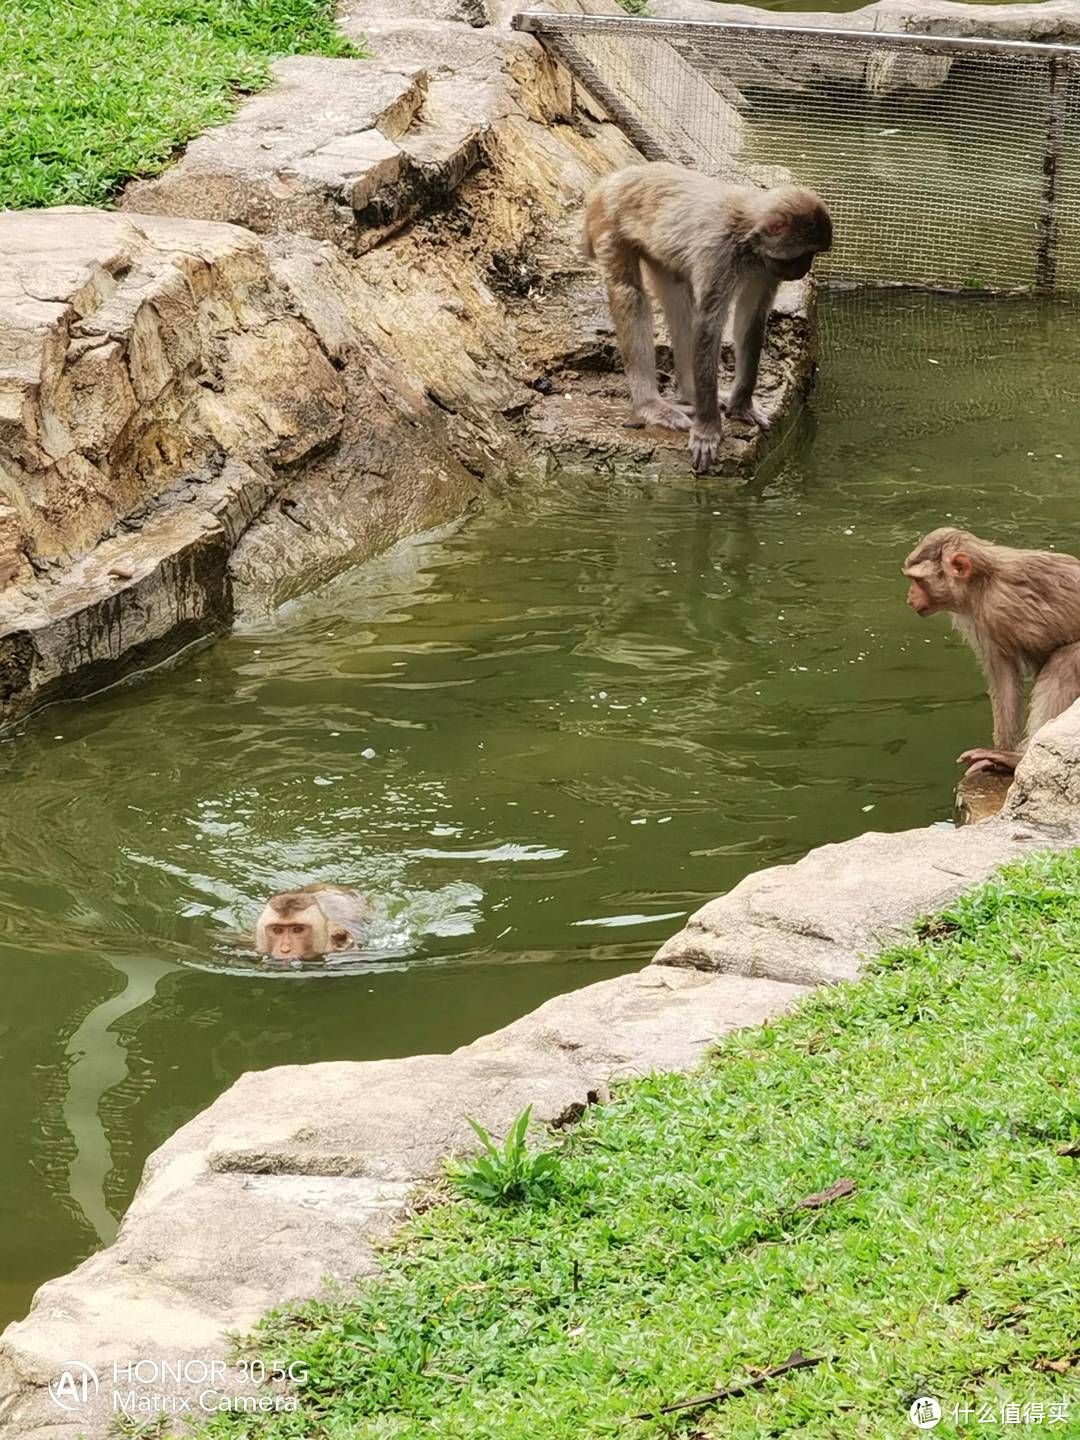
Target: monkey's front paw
pixel 1001 762
pixel 749 413
pixel 662 412
pixel 705 442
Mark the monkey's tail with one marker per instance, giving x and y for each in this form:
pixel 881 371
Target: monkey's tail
pixel 587 246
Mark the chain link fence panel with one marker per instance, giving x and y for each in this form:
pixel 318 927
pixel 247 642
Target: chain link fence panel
pixel 948 163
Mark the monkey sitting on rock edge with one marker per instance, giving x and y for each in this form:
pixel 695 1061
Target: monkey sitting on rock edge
pixel 1019 610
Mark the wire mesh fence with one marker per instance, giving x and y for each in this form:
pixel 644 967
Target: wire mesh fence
pixel 950 163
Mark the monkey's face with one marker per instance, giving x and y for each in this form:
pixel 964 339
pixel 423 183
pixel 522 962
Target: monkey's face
pixel 795 228
pixel 920 599
pixel 940 572
pixel 302 935
pixel 927 593
pixel 793 269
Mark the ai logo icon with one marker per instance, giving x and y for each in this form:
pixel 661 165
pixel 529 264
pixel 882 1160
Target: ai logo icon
pixel 74 1387
pixel 925 1412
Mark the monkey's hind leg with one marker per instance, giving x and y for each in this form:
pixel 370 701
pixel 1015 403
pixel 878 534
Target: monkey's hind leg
pixel 678 306
pixel 632 314
pixel 751 316
pixel 1056 686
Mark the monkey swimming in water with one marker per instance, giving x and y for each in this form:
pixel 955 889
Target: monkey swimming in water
pixel 312 921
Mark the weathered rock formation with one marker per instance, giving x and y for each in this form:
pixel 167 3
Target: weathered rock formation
pixel 196 417
pixel 158 388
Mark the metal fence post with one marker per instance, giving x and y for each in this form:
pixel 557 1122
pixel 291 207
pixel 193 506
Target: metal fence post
pixel 1046 258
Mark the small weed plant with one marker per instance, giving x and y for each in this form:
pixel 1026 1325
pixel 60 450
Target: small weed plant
pixel 507 1174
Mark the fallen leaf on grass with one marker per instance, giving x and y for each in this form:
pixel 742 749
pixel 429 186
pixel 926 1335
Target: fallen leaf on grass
pixel 1059 1367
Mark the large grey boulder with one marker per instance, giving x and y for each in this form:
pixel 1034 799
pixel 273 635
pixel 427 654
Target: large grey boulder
pixel 1046 790
pixel 814 921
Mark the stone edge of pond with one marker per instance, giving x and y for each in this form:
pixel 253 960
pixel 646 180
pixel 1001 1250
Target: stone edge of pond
pixel 367 288
pixel 290 1179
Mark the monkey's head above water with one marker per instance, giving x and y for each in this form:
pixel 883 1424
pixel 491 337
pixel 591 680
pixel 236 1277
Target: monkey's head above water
pixel 791 226
pixel 941 568
pixel 315 920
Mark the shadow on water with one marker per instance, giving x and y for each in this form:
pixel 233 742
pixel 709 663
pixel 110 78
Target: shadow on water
pixel 538 742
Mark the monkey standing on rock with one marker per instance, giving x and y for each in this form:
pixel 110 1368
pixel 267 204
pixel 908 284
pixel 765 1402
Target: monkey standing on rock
pixel 705 246
pixel 1019 610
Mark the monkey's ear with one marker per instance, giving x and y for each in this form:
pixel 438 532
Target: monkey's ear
pixel 339 939
pixel 778 224
pixel 960 566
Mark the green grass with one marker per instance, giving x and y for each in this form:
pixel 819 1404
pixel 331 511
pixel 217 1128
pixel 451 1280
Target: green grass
pixel 93 92
pixel 674 1259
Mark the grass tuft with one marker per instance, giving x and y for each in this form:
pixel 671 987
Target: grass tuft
pixel 507 1174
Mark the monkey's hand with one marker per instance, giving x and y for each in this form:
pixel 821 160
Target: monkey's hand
pixel 662 412
pixel 747 411
pixel 1002 762
pixel 705 440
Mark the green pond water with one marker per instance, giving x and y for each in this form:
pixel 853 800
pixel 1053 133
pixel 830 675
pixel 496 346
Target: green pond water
pixel 539 743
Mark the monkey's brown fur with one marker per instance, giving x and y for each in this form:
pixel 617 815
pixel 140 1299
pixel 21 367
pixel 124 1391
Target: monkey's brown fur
pixel 1020 612
pixel 291 902
pixel 705 246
